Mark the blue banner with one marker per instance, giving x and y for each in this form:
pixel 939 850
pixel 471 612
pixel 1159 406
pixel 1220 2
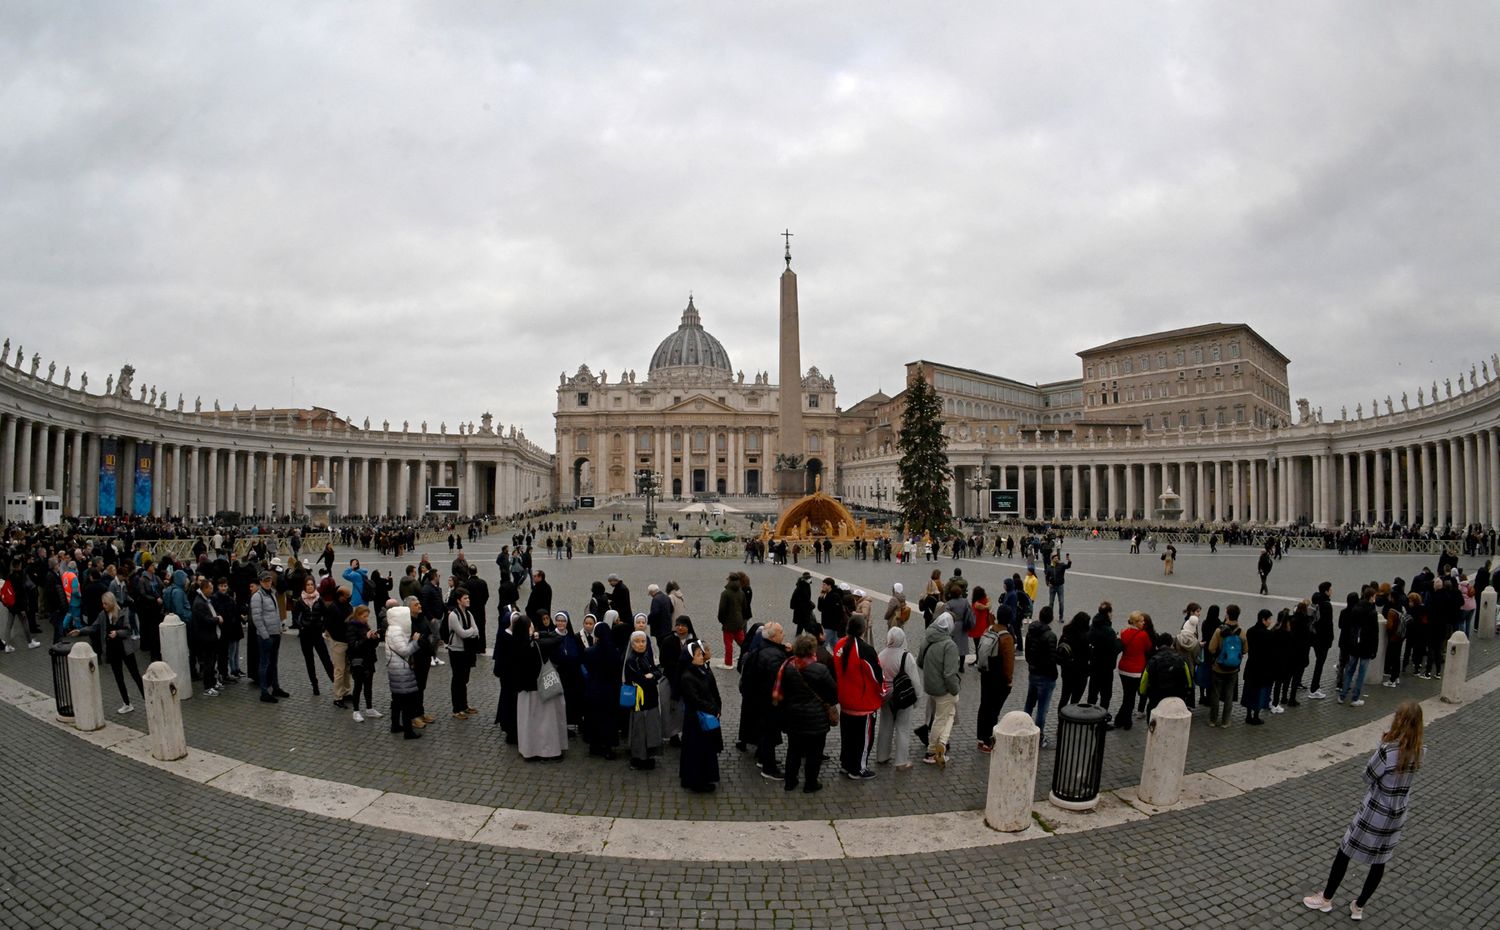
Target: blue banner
pixel 109 456
pixel 143 477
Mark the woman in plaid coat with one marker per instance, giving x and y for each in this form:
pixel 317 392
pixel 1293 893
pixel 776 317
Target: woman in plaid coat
pixel 1376 829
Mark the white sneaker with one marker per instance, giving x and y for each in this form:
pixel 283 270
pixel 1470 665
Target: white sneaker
pixel 1355 911
pixel 211 692
pixel 33 644
pixel 1357 702
pixel 359 717
pixel 125 709
pixel 373 714
pixel 1317 902
pixel 9 648
pixel 1316 695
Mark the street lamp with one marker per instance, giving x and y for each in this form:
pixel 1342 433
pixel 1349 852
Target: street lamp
pixel 980 484
pixel 879 494
pixel 648 483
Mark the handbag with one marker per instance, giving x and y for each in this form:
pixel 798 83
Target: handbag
pixel 548 683
pixel 707 722
pixel 631 697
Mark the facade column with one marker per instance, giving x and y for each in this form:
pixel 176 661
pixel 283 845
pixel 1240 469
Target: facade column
pixel 1492 473
pixel 1021 490
pixel 1057 492
pixel 1129 476
pixel 232 481
pixel 1412 458
pixel 194 484
pixel 1111 490
pixel 23 470
pixel 1252 480
pixel 1471 484
pixel 1094 508
pixel 1377 478
pixel 1429 486
pixel 1440 472
pixel 686 475
pixel 1148 490
pixel 1040 496
pixel 1200 492
pixel 211 493
pixel 253 502
pixel 75 476
pixel 158 479
pixel 1316 515
pixel 179 479
pixel 403 487
pixel 1362 485
pixel 39 474
pixel 1077 478
pixel 1346 488
pixel 59 461
pixel 8 456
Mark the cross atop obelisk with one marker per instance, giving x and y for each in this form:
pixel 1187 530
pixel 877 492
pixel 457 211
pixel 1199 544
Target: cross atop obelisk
pixel 787 235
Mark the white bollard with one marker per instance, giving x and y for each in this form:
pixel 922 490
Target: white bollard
pixel 174 652
pixel 1166 753
pixel 1007 805
pixel 164 713
pixel 1486 624
pixel 1455 668
pixel 83 681
pixel 1382 643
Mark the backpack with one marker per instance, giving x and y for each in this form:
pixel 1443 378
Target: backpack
pixel 1023 605
pixel 7 594
pixel 905 613
pixel 903 692
pixel 1397 634
pixel 367 591
pixel 1231 650
pixel 988 645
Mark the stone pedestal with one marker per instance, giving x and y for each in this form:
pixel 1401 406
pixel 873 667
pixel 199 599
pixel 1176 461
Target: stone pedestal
pixel 1485 628
pixel 83 680
pixel 1376 672
pixel 1455 669
pixel 1166 753
pixel 164 713
pixel 174 652
pixel 1007 804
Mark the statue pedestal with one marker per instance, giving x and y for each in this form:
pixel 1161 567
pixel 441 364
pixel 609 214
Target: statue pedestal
pixel 791 484
pixel 320 506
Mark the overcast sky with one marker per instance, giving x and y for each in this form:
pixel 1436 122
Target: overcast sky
pixel 427 211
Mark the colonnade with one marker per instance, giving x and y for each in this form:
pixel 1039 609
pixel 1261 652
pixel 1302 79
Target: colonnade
pixel 1448 481
pixel 92 473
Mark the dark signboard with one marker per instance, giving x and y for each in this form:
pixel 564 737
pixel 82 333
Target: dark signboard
pixel 1002 501
pixel 442 500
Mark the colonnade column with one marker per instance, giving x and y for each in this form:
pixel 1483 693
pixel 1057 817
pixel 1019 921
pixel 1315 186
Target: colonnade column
pixel 1493 476
pixel 1440 476
pixel 39 463
pixel 1148 490
pixel 75 489
pixel 1021 490
pixel 1093 492
pixel 1377 468
pixel 1471 490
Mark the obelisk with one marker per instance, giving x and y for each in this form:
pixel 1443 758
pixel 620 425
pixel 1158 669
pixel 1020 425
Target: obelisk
pixel 791 462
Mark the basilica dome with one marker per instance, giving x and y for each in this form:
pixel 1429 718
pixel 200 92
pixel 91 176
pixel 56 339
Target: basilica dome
pixel 690 350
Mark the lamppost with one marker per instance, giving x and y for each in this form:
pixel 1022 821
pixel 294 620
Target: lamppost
pixel 880 494
pixel 648 483
pixel 980 484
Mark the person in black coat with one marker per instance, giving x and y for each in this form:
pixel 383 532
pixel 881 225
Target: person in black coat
pixel 1322 635
pixel 601 694
pixel 831 616
pixel 757 713
pixel 510 662
pixel 805 689
pixel 1260 671
pixel 1074 647
pixel 698 767
pixel 1103 650
pixel 598 600
pixel 565 651
pixel 539 601
pixel 802 604
pixel 205 635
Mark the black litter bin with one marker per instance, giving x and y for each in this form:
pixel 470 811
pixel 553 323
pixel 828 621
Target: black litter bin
pixel 61 690
pixel 1080 757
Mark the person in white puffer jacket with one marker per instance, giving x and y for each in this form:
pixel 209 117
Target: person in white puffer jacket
pixel 401 645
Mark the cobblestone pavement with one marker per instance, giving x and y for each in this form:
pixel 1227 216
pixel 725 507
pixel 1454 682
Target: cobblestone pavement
pixel 95 840
pixel 308 736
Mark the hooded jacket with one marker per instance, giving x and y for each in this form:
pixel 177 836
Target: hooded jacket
pixel 731 607
pixel 174 600
pixel 399 644
pixel 940 658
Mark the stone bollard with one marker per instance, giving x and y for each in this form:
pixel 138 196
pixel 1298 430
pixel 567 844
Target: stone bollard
pixel 174 652
pixel 1455 668
pixel 1377 664
pixel 164 713
pixel 1486 626
pixel 1007 805
pixel 1166 753
pixel 83 680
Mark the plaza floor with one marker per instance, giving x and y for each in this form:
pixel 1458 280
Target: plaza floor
pixel 105 814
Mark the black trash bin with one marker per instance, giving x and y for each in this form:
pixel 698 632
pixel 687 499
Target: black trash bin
pixel 61 690
pixel 1080 757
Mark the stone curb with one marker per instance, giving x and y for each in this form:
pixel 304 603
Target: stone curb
pixel 712 841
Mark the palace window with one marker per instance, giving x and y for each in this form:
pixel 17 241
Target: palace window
pixel 812 401
pixel 583 399
pixel 752 441
pixel 581 442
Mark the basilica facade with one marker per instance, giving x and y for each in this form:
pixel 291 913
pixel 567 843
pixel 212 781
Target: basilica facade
pixel 693 419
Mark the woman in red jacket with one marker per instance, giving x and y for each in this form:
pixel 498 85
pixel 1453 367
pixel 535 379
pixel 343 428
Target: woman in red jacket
pixel 856 668
pixel 1135 643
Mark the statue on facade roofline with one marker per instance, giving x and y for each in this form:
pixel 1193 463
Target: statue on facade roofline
pixel 198 404
pixel 1405 401
pixel 1390 408
pixel 217 408
pixel 1448 385
pixel 1473 376
pixel 143 393
pixel 153 393
pixel 179 402
pixel 367 424
pixel 1359 411
pixel 83 382
pixel 67 375
pixel 385 425
pixel 36 363
pixel 1420 396
pixel 1434 392
pixel 6 356
pixel 1485 368
pixel 405 426
pixel 51 371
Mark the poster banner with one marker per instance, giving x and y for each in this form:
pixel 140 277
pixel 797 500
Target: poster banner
pixel 144 461
pixel 109 457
